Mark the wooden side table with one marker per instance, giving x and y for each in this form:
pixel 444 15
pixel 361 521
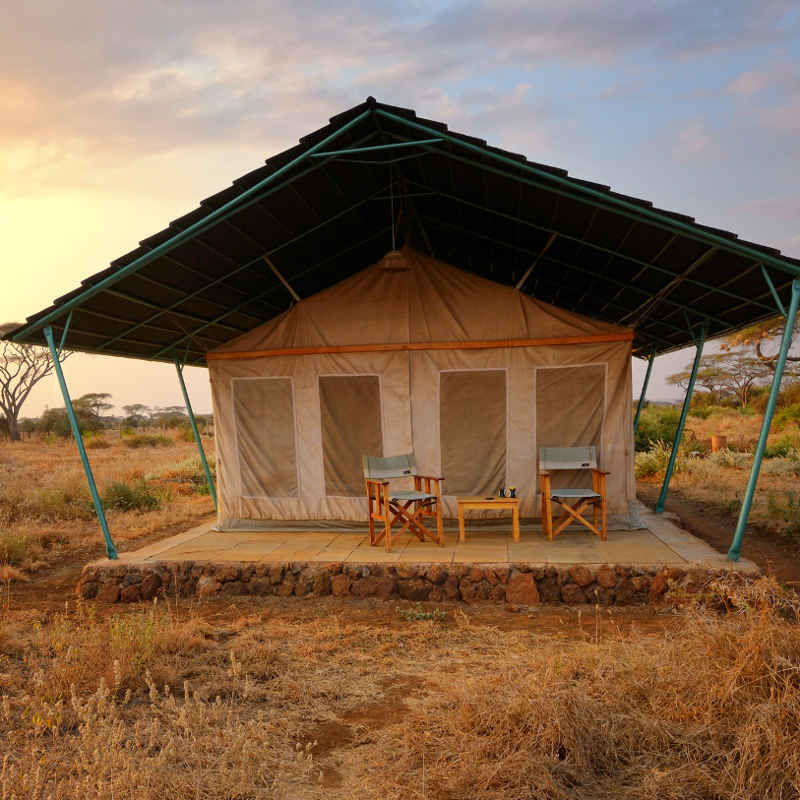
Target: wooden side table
pixel 488 504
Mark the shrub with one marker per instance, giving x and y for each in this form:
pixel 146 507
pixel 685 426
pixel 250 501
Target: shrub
pixel 782 467
pixel 97 443
pixel 730 458
pixel 653 461
pixel 782 448
pixel 186 434
pixel 123 497
pixel 657 424
pixel 788 415
pixel 146 440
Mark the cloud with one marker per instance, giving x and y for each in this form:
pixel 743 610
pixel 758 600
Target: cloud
pixel 692 140
pixel 748 83
pixel 90 83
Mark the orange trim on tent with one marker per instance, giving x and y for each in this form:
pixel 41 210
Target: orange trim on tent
pixel 625 336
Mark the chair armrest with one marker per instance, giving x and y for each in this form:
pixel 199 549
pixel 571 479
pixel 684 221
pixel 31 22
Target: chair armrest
pixel 377 481
pixel 430 477
pixel 600 472
pixel 543 473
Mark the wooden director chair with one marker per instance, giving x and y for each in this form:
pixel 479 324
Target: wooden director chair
pixel 572 501
pixel 408 506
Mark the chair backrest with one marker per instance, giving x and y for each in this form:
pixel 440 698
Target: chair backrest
pixel 553 458
pixel 385 467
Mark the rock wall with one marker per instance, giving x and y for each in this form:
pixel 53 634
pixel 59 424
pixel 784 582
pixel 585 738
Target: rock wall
pixel 518 584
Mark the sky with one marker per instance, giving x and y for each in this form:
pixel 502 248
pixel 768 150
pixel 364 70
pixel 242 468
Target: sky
pixel 117 117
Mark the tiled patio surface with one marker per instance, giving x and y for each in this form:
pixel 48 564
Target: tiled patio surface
pixel 661 543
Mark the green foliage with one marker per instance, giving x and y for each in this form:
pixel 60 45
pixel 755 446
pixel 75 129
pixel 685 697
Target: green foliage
pixel 788 415
pixel 653 461
pixel 702 412
pixel 783 447
pixel 146 440
pixel 656 424
pixel 55 422
pixel 419 613
pixel 124 497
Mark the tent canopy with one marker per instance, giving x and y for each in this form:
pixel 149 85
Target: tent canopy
pixel 378 176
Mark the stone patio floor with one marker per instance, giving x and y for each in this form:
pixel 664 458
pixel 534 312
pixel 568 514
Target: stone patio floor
pixel 660 543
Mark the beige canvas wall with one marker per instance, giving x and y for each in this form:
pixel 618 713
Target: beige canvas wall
pixel 432 302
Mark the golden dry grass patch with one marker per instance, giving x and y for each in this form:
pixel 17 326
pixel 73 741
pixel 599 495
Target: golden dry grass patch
pixel 46 513
pixel 263 699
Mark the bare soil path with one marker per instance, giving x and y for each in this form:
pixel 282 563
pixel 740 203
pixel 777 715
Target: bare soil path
pixel 775 554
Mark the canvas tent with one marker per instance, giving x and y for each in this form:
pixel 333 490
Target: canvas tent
pixel 324 210
pixel 412 353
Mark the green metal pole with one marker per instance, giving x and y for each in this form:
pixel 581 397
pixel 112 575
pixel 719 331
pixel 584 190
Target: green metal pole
pixel 662 498
pixel 111 550
pixel 196 434
pixel 736 545
pixel 644 390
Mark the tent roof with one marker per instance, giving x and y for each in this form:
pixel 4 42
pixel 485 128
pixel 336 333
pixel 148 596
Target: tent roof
pixel 314 215
pixel 431 303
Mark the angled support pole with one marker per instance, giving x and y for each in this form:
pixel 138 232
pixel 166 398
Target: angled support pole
pixel 644 390
pixel 744 512
pixel 662 498
pixel 111 550
pixel 196 433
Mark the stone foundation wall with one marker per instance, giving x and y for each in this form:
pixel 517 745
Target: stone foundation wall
pixel 518 584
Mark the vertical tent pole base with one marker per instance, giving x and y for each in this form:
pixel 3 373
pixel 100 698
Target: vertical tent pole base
pixel 197 438
pixel 644 390
pixel 111 550
pixel 673 457
pixel 744 512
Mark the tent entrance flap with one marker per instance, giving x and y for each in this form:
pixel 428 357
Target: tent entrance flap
pixel 472 422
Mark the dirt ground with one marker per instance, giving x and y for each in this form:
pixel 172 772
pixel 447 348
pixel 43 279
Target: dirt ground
pixel 775 554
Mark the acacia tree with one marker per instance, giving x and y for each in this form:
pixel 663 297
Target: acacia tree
pixel 731 374
pixel 762 336
pixel 95 402
pixel 22 366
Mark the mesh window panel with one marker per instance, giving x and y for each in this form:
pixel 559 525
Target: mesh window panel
pixel 264 411
pixel 570 404
pixel 472 423
pixel 351 428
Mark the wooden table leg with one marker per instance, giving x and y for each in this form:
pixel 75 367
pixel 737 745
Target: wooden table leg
pixel 461 536
pixel 515 522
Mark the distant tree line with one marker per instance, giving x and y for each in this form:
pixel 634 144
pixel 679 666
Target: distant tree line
pixel 90 412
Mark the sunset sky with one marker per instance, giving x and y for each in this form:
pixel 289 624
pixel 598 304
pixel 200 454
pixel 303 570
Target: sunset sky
pixel 117 117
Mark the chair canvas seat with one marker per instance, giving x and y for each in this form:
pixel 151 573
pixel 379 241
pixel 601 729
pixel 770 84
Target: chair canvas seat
pixel 407 506
pixel 573 493
pixel 573 502
pixel 411 496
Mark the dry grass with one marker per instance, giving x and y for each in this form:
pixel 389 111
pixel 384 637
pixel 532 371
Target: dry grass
pixel 46 515
pixel 315 699
pixel 718 480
